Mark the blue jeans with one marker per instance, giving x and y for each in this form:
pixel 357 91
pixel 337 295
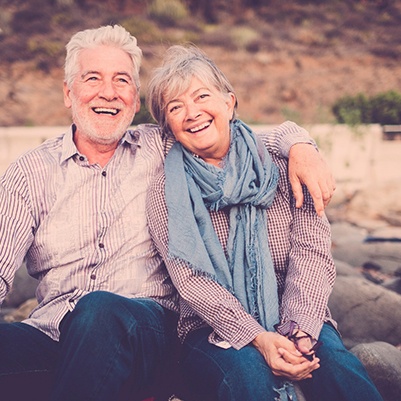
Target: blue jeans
pixel 341 376
pixel 105 342
pixel 238 375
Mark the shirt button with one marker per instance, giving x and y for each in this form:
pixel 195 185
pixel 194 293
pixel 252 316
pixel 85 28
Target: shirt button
pixel 101 245
pixel 93 276
pixel 104 173
pixel 81 158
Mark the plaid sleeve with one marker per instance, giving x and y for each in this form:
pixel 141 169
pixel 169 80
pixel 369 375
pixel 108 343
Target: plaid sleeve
pixel 300 243
pixel 280 140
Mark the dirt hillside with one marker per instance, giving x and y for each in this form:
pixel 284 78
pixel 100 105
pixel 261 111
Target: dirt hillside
pixel 286 59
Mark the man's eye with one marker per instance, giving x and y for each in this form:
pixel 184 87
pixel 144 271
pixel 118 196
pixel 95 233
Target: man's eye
pixel 92 79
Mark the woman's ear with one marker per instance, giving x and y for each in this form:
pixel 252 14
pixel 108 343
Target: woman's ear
pixel 231 104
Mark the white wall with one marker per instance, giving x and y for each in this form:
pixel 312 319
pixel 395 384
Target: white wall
pixel 16 140
pixel 360 159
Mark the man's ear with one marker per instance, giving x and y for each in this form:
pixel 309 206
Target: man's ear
pixel 67 92
pixel 138 104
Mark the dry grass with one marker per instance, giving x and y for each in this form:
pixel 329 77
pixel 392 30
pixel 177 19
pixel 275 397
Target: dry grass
pixel 288 59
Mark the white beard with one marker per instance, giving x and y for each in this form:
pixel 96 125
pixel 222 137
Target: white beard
pixel 104 135
pixel 90 127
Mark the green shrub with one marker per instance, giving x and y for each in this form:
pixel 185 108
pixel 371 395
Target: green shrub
pixel 144 30
pixel 47 47
pixel 244 37
pixel 383 108
pixel 168 12
pixel 143 116
pixel 352 110
pixel 386 108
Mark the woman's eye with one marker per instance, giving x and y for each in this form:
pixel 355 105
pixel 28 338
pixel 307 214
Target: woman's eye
pixel 174 108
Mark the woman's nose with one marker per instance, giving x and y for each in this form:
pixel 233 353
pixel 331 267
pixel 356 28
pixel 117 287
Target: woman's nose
pixel 193 111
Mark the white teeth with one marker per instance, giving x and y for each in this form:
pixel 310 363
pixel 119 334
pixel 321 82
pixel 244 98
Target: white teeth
pixel 105 110
pixel 200 127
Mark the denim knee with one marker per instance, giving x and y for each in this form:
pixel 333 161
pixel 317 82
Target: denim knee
pixel 341 376
pixel 228 374
pixel 23 348
pixel 109 340
pixel 99 311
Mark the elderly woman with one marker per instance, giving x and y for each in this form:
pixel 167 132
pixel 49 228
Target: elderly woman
pixel 254 272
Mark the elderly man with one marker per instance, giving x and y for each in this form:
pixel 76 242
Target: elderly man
pixel 75 209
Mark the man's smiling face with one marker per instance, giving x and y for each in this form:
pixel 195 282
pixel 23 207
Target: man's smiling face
pixel 103 97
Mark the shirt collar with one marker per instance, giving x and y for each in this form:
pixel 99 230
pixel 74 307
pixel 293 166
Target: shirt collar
pixel 131 138
pixel 69 148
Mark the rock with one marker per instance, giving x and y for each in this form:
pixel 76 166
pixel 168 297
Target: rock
pixel 393 217
pixel 344 233
pixel 356 246
pixel 393 285
pixel 365 312
pixel 363 204
pixel 383 363
pixel 23 288
pixel 22 312
pixel 389 233
pixel 345 269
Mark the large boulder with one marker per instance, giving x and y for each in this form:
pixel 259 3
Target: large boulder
pixel 365 312
pixel 22 312
pixel 383 363
pixel 23 288
pixel 356 246
pixel 345 269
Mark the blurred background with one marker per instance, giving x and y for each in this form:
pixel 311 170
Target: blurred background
pixel 316 61
pixel 332 66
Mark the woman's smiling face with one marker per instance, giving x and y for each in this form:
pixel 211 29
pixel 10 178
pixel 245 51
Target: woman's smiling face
pixel 200 118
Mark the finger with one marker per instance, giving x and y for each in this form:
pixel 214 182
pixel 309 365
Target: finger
pixel 305 372
pixel 317 196
pixel 298 372
pixel 294 357
pixel 297 191
pixel 331 185
pixel 327 190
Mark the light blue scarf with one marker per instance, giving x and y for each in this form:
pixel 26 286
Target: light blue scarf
pixel 246 183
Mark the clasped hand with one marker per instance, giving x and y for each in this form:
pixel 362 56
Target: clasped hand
pixel 283 358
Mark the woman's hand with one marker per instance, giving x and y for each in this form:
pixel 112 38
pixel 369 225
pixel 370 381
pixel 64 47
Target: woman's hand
pixel 283 358
pixel 307 166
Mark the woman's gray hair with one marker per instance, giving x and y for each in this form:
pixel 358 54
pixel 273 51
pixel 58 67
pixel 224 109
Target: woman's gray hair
pixel 180 65
pixel 109 35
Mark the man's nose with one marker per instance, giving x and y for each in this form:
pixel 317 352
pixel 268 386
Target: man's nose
pixel 107 90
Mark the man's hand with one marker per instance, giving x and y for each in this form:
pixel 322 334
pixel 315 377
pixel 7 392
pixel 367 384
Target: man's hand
pixel 283 358
pixel 307 166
